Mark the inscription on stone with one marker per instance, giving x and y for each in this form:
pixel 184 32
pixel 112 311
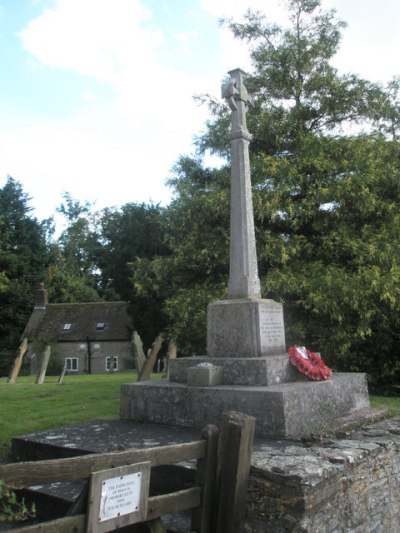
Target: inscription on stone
pixel 272 331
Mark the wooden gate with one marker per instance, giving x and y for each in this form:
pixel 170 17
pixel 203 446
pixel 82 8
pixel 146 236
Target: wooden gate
pixel 217 499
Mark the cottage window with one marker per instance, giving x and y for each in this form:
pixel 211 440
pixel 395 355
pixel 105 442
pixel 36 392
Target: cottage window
pixel 100 326
pixel 111 361
pixel 67 326
pixel 71 364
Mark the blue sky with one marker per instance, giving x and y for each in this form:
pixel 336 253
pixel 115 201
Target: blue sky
pixel 96 95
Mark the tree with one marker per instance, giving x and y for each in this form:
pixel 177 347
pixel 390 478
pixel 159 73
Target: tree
pixel 326 203
pixel 126 233
pixel 24 255
pixel 195 271
pixel 325 169
pixel 79 239
pixel 127 236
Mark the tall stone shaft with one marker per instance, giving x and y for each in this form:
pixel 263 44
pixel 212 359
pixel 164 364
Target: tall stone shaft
pixel 243 272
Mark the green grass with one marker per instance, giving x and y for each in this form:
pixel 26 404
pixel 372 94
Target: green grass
pixel 26 407
pixel 392 404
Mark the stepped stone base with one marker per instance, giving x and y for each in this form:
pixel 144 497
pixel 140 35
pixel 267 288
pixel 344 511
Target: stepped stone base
pixel 290 410
pixel 258 371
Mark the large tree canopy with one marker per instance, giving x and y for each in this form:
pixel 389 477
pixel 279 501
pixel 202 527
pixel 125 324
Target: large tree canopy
pixel 23 257
pixel 127 236
pixel 326 189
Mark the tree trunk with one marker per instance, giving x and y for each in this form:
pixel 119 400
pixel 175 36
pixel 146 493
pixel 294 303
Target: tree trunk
pixel 147 369
pixel 171 354
pixel 140 358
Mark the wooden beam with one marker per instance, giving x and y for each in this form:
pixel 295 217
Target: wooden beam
pixel 234 455
pixel 174 502
pixel 71 468
pixel 44 364
pixel 157 506
pixel 18 361
pixel 69 524
pixel 61 378
pixel 203 517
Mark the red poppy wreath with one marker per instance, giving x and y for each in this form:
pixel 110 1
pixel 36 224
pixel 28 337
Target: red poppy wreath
pixel 309 363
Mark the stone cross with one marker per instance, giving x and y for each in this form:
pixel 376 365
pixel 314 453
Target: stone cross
pixel 243 272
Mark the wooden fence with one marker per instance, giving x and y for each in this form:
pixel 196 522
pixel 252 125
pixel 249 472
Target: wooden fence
pixel 217 499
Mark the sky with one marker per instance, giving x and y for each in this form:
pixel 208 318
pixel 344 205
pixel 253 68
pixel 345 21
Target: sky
pixel 96 96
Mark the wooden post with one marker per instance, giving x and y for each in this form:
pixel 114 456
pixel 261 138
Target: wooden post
pixel 203 517
pixel 61 378
pixel 234 456
pixel 18 361
pixel 44 365
pixel 148 366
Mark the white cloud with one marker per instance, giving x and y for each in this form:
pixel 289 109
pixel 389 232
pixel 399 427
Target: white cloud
pixel 370 38
pixel 121 149
pixel 93 165
pixel 106 39
pixel 234 53
pixel 99 38
pixel 115 151
pixel 237 8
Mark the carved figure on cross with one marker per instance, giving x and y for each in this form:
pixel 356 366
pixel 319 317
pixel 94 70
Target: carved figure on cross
pixel 238 99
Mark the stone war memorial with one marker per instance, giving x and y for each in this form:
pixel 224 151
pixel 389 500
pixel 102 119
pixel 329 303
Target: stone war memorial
pixel 322 461
pixel 247 367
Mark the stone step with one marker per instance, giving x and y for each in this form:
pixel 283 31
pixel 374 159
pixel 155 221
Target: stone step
pixel 357 417
pixel 285 410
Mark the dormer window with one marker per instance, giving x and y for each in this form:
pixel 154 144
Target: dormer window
pixel 67 326
pixel 100 326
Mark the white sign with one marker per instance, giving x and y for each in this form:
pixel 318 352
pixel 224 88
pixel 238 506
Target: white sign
pixel 120 496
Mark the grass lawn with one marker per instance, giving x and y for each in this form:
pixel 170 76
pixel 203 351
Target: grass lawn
pixel 26 407
pixel 392 404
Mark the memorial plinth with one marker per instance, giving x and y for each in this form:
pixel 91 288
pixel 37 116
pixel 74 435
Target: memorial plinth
pixel 246 367
pixel 245 328
pixel 289 410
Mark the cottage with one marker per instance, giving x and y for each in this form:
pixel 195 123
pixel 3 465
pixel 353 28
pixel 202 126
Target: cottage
pixel 92 337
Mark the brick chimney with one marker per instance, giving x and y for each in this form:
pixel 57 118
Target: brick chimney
pixel 42 298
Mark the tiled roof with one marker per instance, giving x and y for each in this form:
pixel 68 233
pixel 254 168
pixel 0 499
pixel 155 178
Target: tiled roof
pixel 85 319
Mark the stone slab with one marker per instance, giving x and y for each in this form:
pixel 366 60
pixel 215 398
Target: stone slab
pixel 318 485
pixel 290 410
pixel 99 436
pixel 245 328
pixel 350 484
pixel 257 371
pixel 204 376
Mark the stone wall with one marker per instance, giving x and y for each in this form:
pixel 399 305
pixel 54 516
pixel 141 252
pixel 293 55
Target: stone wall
pixel 328 486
